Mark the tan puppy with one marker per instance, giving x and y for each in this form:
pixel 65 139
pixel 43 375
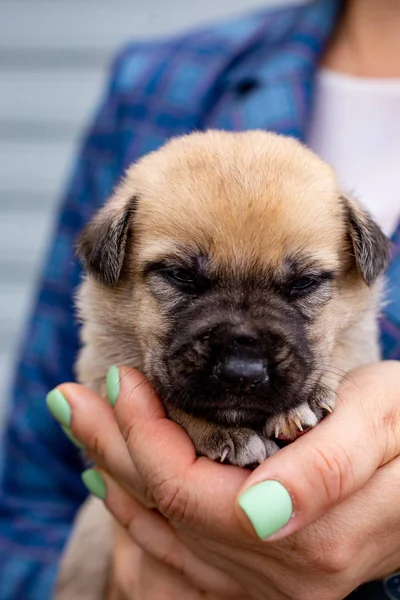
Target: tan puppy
pixel 231 270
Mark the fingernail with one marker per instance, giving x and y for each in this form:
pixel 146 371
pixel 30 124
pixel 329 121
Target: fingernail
pixel 94 483
pixel 59 407
pixel 71 437
pixel 268 506
pixel 112 381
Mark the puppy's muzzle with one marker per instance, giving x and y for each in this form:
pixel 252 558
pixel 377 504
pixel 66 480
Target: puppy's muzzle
pixel 239 367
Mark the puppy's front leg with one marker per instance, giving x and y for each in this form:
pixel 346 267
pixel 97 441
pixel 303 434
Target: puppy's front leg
pixel 234 445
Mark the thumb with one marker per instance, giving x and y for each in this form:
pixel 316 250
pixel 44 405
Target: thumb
pixel 303 481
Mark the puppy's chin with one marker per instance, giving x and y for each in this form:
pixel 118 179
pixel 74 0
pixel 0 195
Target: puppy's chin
pixel 227 410
pixel 204 399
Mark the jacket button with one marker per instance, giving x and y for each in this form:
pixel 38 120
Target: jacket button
pixel 246 86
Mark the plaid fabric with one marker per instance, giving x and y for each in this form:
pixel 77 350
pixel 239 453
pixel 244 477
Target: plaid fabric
pixel 254 72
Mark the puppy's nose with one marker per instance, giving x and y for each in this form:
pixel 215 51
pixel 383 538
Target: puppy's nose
pixel 241 370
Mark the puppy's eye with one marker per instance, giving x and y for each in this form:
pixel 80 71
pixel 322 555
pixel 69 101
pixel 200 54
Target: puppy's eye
pixel 180 275
pixel 304 284
pixel 185 278
pixel 308 283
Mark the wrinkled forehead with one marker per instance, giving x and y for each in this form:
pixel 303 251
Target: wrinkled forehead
pixel 247 209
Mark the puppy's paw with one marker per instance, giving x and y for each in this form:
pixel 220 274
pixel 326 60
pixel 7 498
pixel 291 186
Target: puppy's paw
pixel 323 404
pixel 289 425
pixel 236 446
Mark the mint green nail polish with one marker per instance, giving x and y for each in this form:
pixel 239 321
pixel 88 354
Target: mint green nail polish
pixel 71 437
pixel 112 381
pixel 59 407
pixel 94 483
pixel 268 506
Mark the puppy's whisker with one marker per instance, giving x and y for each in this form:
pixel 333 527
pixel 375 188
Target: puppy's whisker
pixel 332 367
pixel 332 376
pixel 330 390
pixel 345 377
pixel 125 374
pixel 337 371
pixel 135 387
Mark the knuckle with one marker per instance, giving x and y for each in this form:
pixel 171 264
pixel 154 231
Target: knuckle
pixel 335 471
pixel 391 439
pixel 127 427
pixel 147 497
pixel 170 497
pixel 162 490
pixel 329 556
pixel 94 446
pixel 332 560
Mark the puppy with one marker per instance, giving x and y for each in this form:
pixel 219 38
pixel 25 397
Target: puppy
pixel 232 270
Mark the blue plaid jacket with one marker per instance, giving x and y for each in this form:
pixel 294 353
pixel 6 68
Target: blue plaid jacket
pixel 253 72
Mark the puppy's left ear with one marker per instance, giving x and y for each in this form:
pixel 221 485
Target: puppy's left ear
pixel 102 244
pixel 370 245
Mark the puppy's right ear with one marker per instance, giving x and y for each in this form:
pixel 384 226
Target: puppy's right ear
pixel 102 244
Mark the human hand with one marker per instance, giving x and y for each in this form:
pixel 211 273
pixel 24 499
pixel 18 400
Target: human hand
pixel 345 524
pixel 136 574
pixel 173 563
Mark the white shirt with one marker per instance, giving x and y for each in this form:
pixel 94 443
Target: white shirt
pixel 355 127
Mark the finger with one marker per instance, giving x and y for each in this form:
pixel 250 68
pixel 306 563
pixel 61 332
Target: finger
pixel 138 575
pixel 125 571
pixel 183 487
pixel 155 536
pixel 159 582
pixel 93 424
pixel 304 480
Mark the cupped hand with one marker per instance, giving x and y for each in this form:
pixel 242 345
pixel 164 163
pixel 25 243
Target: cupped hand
pixel 137 574
pixel 327 506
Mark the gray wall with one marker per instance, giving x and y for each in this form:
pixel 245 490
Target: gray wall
pixel 54 56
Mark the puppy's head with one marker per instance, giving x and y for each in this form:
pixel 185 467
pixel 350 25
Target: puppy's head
pixel 235 265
